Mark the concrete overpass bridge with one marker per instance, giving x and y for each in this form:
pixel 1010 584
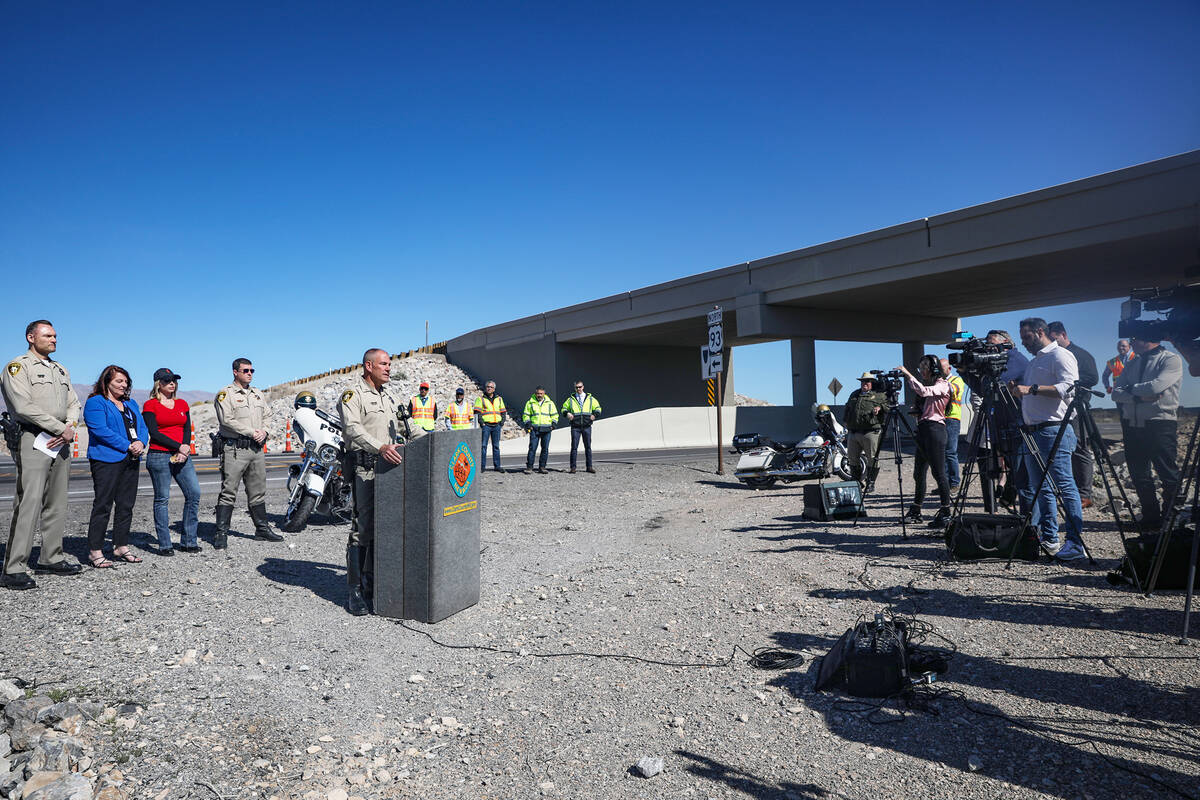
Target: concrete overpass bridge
pixel 1090 239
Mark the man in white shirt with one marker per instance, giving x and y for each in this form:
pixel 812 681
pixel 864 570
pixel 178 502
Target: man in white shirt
pixel 1046 390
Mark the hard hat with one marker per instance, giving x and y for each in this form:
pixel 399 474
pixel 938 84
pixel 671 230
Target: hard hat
pixel 305 399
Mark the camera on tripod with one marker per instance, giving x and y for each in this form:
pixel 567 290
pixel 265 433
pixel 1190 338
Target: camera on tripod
pixel 889 382
pixel 1180 304
pixel 979 357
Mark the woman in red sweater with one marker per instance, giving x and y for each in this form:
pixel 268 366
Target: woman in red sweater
pixel 170 423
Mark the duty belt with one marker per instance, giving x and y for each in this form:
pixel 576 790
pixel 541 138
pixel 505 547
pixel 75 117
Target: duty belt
pixel 364 459
pixel 244 442
pixel 34 429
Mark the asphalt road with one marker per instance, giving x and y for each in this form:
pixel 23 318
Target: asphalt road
pixel 208 470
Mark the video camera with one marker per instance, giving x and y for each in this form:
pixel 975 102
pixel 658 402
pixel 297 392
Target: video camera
pixel 890 382
pixel 1180 304
pixel 979 357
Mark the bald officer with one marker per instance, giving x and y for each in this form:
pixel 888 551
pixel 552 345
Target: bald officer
pixel 241 423
pixel 37 390
pixel 369 416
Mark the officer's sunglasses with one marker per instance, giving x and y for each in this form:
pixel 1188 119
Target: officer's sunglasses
pixel 248 371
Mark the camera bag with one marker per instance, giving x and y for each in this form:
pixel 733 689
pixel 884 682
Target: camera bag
pixel 970 537
pixel 1139 558
pixel 869 660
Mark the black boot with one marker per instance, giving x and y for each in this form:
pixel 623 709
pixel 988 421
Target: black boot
pixel 914 514
pixel 221 537
pixel 262 528
pixel 355 603
pixel 941 518
pixel 872 474
pixel 368 576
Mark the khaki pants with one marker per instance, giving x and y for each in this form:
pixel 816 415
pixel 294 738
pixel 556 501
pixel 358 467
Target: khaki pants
pixel 243 464
pixel 362 532
pixel 41 493
pixel 862 445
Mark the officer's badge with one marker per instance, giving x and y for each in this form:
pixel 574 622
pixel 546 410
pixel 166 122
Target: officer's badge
pixel 221 396
pixel 346 395
pixel 14 368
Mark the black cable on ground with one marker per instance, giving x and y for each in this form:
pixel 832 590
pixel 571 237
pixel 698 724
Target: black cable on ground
pixel 762 658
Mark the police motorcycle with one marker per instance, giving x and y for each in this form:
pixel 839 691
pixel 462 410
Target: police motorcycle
pixel 819 455
pixel 317 482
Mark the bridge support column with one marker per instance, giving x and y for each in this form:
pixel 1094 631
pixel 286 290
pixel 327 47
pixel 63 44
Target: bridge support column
pixel 910 354
pixel 804 373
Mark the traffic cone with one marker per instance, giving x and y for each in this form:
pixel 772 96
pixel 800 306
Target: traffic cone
pixel 75 446
pixel 264 445
pixel 287 447
pixel 193 444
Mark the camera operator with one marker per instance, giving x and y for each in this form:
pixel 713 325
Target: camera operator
pixel 1008 423
pixel 1046 390
pixel 1083 465
pixel 933 394
pixel 863 417
pixel 1147 391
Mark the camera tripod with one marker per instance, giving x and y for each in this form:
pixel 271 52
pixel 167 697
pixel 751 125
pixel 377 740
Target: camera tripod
pixel 1190 484
pixel 892 423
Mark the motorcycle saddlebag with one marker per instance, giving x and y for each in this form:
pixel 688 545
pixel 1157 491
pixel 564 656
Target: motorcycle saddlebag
pixel 971 537
pixel 1139 556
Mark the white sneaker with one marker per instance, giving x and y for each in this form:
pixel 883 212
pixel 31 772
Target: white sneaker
pixel 1052 546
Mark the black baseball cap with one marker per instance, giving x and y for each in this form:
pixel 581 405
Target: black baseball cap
pixel 164 375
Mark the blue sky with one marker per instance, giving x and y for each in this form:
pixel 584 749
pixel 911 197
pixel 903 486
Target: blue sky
pixel 183 183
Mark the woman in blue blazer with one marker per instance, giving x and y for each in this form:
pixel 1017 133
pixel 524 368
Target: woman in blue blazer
pixel 117 437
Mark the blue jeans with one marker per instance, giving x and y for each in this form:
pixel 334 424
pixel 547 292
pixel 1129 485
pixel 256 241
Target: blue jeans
pixel 491 431
pixel 536 436
pixel 586 435
pixel 1045 510
pixel 953 428
pixel 161 470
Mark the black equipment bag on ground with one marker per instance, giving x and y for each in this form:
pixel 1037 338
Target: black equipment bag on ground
pixel 970 537
pixel 839 500
pixel 870 660
pixel 1139 555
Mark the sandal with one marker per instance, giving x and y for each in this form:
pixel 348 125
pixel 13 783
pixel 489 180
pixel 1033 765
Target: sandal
pixel 127 557
pixel 100 562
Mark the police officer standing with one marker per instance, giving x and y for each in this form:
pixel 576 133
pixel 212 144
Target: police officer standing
pixel 38 392
pixel 241 423
pixel 863 418
pixel 369 417
pixel 581 409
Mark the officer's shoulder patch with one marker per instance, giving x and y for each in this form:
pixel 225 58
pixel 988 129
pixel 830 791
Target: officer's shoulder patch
pixel 221 396
pixel 346 395
pixel 14 368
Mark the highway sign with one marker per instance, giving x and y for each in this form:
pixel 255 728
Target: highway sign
pixel 712 363
pixel 714 316
pixel 716 338
pixel 835 386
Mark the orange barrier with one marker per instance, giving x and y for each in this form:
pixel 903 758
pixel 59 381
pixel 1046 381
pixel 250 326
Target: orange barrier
pixel 264 445
pixel 287 447
pixel 75 446
pixel 193 441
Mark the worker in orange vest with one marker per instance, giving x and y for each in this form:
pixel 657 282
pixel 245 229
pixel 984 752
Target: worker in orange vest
pixel 422 409
pixel 460 415
pixel 1115 366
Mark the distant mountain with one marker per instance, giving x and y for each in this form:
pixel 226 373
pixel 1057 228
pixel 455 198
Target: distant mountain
pixel 140 395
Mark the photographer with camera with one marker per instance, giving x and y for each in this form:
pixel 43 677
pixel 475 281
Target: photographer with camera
pixel 863 417
pixel 1147 392
pixel 933 392
pixel 1046 389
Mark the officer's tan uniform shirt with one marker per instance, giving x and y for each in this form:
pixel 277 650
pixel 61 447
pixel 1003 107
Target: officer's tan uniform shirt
pixel 240 412
pixel 368 417
pixel 38 392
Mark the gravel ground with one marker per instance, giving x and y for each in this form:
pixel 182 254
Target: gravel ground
pixel 250 677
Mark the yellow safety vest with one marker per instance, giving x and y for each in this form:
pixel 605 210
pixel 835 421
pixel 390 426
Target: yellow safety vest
pixel 543 413
pixel 492 409
pixel 460 418
pixel 954 405
pixel 422 412
pixel 571 405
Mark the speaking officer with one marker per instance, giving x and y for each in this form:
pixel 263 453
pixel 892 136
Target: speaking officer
pixel 539 418
pixel 863 418
pixel 369 423
pixel 37 390
pixel 490 410
pixel 241 423
pixel 581 409
pixel 422 409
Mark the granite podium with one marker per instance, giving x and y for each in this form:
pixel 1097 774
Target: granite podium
pixel 427 528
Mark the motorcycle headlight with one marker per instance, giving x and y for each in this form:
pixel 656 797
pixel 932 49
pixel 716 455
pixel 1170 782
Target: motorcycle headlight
pixel 327 454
